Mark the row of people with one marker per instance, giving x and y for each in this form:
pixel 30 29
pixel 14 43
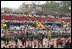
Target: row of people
pixel 65 43
pixel 24 18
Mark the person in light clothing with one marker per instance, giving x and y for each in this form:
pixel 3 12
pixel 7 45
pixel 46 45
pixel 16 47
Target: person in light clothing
pixel 44 42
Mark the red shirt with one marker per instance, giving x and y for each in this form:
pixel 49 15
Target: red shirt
pixel 41 42
pixel 38 43
pixel 8 32
pixel 12 47
pixel 45 41
pixel 21 31
pixel 61 41
pixel 57 41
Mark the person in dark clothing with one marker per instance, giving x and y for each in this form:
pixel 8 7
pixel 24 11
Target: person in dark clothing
pixel 9 46
pixel 70 45
pixel 67 45
pixel 31 38
pixel 27 34
pixel 3 39
pixel 51 46
pixel 38 39
pixel 16 40
pixel 23 41
pixel 7 41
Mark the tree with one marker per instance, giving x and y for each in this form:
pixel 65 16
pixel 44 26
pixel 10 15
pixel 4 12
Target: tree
pixel 65 7
pixel 59 8
pixel 17 11
pixel 8 10
pixel 22 8
pixel 50 7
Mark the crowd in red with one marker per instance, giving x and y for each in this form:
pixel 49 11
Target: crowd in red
pixel 24 18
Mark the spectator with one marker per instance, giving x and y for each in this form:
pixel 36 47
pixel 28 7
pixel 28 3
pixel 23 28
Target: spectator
pixel 57 42
pixel 61 42
pixel 67 45
pixel 51 44
pixel 16 40
pixel 12 46
pixel 16 46
pixel 7 41
pixel 9 46
pixel 23 41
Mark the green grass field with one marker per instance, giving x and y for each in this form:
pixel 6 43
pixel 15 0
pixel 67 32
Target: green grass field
pixel 58 47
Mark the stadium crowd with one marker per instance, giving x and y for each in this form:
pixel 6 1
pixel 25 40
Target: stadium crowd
pixel 29 36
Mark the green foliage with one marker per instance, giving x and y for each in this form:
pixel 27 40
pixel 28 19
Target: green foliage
pixel 6 9
pixel 59 8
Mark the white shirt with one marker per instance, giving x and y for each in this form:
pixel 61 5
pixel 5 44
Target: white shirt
pixel 44 41
pixel 1 29
pixel 2 35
